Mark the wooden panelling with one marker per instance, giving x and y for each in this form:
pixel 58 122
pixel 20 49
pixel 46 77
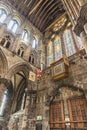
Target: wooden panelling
pixel 78 112
pixel 57 115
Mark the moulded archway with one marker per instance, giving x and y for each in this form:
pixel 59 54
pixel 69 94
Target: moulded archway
pixel 3 63
pixel 18 74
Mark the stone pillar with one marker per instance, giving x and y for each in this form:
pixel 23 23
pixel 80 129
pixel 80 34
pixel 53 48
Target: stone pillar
pixel 85 28
pixel 62 44
pixel 84 39
pixel 85 94
pixel 28 112
pixel 25 118
pixel 23 100
pixel 42 60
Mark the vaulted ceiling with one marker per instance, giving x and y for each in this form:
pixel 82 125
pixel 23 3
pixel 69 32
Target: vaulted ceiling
pixel 41 13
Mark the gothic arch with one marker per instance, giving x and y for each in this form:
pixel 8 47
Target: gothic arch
pixel 18 74
pixel 55 91
pixel 19 67
pixel 3 62
pixel 6 7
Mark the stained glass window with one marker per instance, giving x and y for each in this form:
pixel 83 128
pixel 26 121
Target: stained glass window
pixel 57 48
pixel 49 53
pixel 69 44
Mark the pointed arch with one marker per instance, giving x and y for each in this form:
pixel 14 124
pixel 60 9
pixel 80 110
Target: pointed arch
pixel 19 67
pixel 3 62
pixel 56 90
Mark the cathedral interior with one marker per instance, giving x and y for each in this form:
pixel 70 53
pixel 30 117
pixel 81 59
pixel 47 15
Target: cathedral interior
pixel 43 64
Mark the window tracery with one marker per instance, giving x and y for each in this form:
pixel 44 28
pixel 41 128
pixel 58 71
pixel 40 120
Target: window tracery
pixel 49 53
pixel 63 41
pixel 68 42
pixel 57 48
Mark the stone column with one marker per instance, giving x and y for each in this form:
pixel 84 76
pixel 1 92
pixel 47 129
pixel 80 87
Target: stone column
pixel 23 100
pixel 29 107
pixel 84 39
pixel 42 59
pixel 85 28
pixel 85 91
pixel 25 117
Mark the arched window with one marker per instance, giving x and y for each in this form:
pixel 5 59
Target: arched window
pixel 32 60
pixel 69 44
pixel 49 53
pixel 2 41
pixel 13 25
pixel 58 48
pixel 25 35
pixel 8 44
pixel 29 58
pixel 18 52
pixel 3 15
pixel 4 99
pixel 34 43
pixel 22 53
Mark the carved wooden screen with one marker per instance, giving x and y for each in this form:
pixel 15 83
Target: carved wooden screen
pixel 57 115
pixel 78 113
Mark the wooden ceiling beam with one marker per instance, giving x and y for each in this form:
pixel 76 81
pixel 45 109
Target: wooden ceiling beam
pixel 32 3
pixel 40 12
pixel 47 14
pixel 34 16
pixel 43 12
pixel 57 19
pixel 35 7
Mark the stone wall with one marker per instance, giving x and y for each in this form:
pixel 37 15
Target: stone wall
pixel 72 86
pixel 16 40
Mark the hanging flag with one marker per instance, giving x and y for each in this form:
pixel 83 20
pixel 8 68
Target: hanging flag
pixel 39 73
pixel 32 76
